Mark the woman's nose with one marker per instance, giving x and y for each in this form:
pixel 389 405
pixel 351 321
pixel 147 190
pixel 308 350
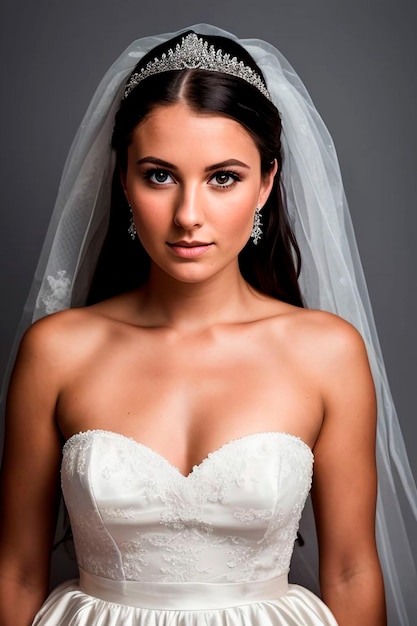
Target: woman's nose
pixel 189 211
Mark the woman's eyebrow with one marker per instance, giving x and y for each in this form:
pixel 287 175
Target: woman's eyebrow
pixel 156 161
pixel 227 163
pixel 209 168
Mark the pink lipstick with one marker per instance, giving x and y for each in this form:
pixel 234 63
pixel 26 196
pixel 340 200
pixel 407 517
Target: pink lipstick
pixel 189 249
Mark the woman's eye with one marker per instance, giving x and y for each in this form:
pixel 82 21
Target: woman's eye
pixel 159 177
pixel 225 179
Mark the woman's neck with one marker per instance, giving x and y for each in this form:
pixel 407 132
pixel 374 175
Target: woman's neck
pixel 190 307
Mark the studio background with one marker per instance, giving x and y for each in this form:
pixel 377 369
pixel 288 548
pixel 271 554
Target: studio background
pixel 358 62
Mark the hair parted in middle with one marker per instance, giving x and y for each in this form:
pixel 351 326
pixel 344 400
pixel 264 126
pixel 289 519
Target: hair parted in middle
pixel 272 266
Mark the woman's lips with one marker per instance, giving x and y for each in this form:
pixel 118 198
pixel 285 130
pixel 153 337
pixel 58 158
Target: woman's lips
pixel 189 249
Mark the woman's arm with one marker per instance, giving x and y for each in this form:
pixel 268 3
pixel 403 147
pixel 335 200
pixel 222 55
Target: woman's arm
pixel 345 483
pixel 29 487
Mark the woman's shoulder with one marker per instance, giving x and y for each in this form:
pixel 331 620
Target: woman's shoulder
pixel 61 326
pixel 321 324
pixel 323 334
pixel 73 330
pixel 328 329
pixel 324 348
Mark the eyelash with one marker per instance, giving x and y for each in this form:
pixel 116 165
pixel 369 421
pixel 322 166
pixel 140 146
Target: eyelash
pixel 230 174
pixel 151 172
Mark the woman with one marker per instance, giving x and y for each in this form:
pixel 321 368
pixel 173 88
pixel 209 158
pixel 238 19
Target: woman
pixel 193 390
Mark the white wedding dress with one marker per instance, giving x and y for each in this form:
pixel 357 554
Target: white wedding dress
pixel 157 548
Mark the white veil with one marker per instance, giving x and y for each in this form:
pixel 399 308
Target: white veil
pixel 331 278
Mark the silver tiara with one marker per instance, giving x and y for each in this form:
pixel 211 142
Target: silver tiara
pixel 195 53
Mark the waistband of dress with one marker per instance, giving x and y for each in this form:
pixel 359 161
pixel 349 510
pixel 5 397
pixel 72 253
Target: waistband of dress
pixel 182 595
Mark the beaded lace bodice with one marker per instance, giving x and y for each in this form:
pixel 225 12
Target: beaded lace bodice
pixel 234 518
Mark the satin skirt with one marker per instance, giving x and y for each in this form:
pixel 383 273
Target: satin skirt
pixel 95 601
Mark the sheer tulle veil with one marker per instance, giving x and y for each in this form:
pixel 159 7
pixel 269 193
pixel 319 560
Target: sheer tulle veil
pixel 331 277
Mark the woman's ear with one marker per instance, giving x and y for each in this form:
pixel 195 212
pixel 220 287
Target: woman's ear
pixel 267 183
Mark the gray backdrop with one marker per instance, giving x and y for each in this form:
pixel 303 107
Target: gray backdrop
pixel 358 59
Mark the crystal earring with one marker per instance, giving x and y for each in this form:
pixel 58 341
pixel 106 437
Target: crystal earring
pixel 257 233
pixel 132 228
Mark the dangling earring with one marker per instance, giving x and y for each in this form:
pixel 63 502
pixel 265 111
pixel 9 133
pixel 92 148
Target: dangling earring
pixel 257 233
pixel 132 228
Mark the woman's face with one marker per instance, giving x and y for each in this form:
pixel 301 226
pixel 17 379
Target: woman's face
pixel 193 182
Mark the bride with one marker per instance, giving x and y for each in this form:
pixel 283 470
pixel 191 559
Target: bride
pixel 195 389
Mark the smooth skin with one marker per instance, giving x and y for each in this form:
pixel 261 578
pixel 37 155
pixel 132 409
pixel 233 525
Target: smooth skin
pixel 190 361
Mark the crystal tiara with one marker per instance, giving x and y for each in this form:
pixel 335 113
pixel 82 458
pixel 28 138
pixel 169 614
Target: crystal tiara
pixel 195 53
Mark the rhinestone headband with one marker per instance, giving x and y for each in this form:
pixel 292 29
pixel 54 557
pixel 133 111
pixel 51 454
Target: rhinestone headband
pixel 195 53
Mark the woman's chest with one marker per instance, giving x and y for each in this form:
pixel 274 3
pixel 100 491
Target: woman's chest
pixel 187 398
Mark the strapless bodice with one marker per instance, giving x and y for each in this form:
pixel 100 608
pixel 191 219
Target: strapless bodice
pixel 233 519
pixel 156 548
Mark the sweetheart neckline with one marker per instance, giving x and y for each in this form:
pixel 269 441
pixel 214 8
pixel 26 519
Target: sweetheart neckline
pixel 83 433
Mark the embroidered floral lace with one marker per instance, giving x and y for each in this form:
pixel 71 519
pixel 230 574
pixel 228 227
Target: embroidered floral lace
pixel 233 518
